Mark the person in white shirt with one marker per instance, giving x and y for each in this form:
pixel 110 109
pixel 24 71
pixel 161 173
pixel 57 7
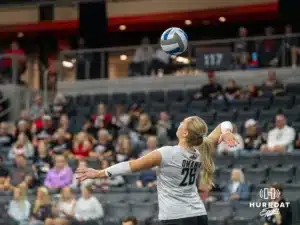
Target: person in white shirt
pixel 223 148
pixel 141 58
pixel 88 208
pixel 159 62
pixel 281 138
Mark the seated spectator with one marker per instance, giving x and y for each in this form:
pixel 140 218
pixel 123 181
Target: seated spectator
pixel 103 119
pixel 232 91
pixel 159 63
pixel 23 126
pixel 82 146
pixel 77 183
pixel 42 208
pixel 147 179
pixel 104 147
pixel 121 118
pixel 144 126
pixel 251 91
pixel 4 177
pixel 23 146
pixel 281 138
pixel 65 208
pixel 253 138
pixel 106 183
pixel 65 125
pixel 89 128
pixel 61 175
pixel 59 105
pixel 47 129
pixel 165 129
pixel 42 162
pixel 151 145
pixel 38 108
pixel 88 209
pixel 225 149
pixel 6 139
pixel 123 148
pixel 212 90
pixel 241 53
pixel 237 189
pixel 22 172
pixel 60 144
pixel 273 84
pixel 129 221
pixel 19 208
pixel 141 59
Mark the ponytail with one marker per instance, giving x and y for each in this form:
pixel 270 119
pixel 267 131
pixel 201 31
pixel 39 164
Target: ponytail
pixel 206 150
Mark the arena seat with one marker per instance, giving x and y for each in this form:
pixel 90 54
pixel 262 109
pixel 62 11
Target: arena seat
pixel 292 158
pixel 156 96
pixel 178 107
pixel 219 105
pixel 256 175
pixel 268 115
pixel 242 105
pixel 243 212
pixel 271 159
pixel 260 103
pixel 246 160
pixel 293 88
pixel 224 116
pixel 175 96
pixel 138 97
pixel 293 115
pixel 224 161
pixel 220 211
pixel 297 175
pixel 117 211
pixel 119 98
pixel 224 176
pixel 139 195
pixel 143 211
pixel 101 98
pixel 197 106
pixel 282 102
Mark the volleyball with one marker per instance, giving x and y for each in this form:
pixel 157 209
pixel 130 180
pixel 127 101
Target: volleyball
pixel 174 41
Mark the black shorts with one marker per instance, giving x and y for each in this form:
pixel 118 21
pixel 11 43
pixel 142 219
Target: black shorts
pixel 197 220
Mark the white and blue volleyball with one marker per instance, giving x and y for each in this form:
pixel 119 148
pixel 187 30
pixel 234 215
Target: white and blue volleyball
pixel 174 41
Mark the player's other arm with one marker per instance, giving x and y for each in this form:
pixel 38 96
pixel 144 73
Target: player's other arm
pixel 221 133
pixel 146 162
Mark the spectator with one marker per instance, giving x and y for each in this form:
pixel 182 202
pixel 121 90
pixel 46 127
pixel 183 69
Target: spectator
pixel 47 129
pixel 151 145
pixel 22 173
pixel 22 147
pixel 237 189
pixel 38 108
pixel 267 49
pixel 64 124
pixel 272 84
pixel 104 147
pixel 250 91
pixel 42 209
pixel 212 90
pixel 159 63
pixel 23 126
pixel 129 221
pixel 241 49
pixel 253 138
pixel 106 183
pixel 89 128
pixel 60 176
pixel 121 118
pixel 147 179
pixel 88 209
pixel 232 91
pixel 103 118
pixel 123 149
pixel 60 143
pixel 59 105
pixel 165 129
pixel 6 139
pixel 141 59
pixel 144 126
pixel 42 162
pixel 291 45
pixel 76 183
pixel 82 146
pixel 281 138
pixel 224 149
pixel 65 208
pixel 4 177
pixel 19 208
pixel 284 215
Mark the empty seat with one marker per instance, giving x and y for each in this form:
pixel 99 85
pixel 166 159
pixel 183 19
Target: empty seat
pixel 280 175
pixel 143 211
pixel 244 212
pixel 119 98
pixel 140 195
pixel 114 197
pixel 292 158
pixel 291 191
pixel 178 107
pixel 196 106
pixel 293 88
pixel 131 179
pixel 255 175
pixel 224 116
pixel 219 105
pixel 117 211
pixel 158 107
pixel 292 114
pixel 220 210
pixel 282 102
pixel 246 160
pixel 240 105
pixel 209 118
pixel 271 159
pixel 101 98
pixel 156 96
pixel 138 97
pixel 224 176
pixel 84 111
pixel 83 100
pixel 260 103
pixel 224 161
pixel 190 94
pixel 245 115
pixel 178 117
pixel 175 95
pixel 267 115
pixel 297 175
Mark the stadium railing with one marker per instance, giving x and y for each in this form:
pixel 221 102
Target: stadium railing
pixel 201 56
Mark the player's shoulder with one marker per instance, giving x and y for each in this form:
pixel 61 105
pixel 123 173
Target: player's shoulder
pixel 168 148
pixel 167 152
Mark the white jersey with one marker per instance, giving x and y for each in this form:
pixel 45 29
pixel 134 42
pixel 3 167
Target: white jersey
pixel 178 195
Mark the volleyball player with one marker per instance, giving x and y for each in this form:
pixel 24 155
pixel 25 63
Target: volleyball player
pixel 178 169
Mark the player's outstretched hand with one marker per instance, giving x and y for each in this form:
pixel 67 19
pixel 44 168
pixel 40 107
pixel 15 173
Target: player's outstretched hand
pixel 229 139
pixel 87 173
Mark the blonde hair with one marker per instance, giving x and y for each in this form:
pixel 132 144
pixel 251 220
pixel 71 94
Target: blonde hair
pixel 242 176
pixel 197 129
pixel 23 194
pixel 44 201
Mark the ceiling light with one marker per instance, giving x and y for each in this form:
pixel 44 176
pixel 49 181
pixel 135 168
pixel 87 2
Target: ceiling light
pixel 122 27
pixel 205 22
pixel 222 19
pixel 20 35
pixel 123 57
pixel 188 22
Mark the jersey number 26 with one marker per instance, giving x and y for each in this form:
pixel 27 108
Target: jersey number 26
pixel 189 176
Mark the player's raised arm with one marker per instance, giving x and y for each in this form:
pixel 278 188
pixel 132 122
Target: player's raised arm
pixel 146 162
